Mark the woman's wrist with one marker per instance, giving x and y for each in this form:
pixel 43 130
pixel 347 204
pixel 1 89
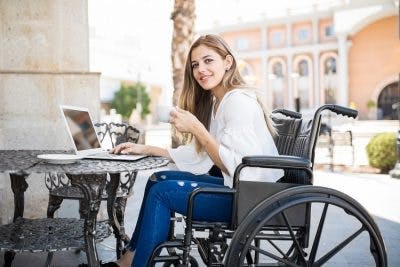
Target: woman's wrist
pixel 156 151
pixel 204 137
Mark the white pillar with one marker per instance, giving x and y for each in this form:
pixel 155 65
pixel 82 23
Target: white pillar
pixel 315 30
pixel 289 34
pixel 289 65
pixel 290 82
pixel 317 89
pixel 343 70
pixel 264 67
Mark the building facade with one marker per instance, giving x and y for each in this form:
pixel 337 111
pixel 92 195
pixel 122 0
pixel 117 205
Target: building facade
pixel 347 55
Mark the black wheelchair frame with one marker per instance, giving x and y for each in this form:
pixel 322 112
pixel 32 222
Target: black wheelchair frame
pixel 266 215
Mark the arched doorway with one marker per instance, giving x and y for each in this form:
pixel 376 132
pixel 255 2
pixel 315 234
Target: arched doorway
pixel 247 72
pixel 388 96
pixel 278 85
pixel 277 82
pixel 330 78
pixel 303 83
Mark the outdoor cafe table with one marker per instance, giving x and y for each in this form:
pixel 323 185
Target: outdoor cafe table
pixel 53 234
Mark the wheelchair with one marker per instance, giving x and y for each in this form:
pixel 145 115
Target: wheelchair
pixel 282 223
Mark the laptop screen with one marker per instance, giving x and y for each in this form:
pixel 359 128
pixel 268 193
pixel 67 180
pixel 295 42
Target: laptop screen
pixel 82 130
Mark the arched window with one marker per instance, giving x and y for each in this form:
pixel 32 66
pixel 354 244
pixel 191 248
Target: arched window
pixel 247 72
pixel 330 66
pixel 301 83
pixel 277 84
pixel 330 80
pixel 303 68
pixel 386 100
pixel 277 69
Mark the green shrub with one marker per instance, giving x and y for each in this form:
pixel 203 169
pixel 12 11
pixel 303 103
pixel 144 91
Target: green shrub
pixel 382 152
pixel 371 104
pixel 127 98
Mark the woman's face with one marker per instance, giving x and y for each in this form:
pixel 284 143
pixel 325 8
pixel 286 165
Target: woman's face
pixel 208 66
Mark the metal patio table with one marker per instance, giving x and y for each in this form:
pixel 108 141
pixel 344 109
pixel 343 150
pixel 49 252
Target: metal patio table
pixel 54 234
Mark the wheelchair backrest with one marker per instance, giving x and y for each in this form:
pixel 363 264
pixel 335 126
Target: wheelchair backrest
pixel 293 137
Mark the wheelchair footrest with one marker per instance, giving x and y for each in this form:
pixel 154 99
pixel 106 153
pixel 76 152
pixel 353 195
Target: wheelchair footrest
pixel 171 255
pixel 166 258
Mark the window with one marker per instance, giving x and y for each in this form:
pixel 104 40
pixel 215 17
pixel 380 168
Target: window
pixel 277 70
pixel 329 31
pixel 247 72
pixel 303 68
pixel 242 44
pixel 303 35
pixel 277 38
pixel 330 66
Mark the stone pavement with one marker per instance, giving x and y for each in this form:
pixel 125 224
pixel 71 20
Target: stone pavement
pixel 379 194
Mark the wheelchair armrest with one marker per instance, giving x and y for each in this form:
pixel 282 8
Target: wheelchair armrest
pixel 278 162
pixel 204 190
pixel 273 162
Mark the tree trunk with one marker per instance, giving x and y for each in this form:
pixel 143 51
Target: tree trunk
pixel 184 18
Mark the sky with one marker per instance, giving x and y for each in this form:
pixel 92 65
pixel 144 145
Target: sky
pixel 133 37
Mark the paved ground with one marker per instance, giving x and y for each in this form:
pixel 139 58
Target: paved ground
pixel 379 194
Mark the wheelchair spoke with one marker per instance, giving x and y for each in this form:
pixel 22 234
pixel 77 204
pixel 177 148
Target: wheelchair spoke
pixel 339 247
pixel 273 256
pixel 278 249
pixel 290 250
pixel 318 234
pixel 297 245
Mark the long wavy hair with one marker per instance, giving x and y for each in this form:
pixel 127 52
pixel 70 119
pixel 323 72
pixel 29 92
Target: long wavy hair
pixel 199 101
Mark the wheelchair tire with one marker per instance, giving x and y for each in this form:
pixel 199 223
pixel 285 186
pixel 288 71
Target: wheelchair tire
pixel 292 253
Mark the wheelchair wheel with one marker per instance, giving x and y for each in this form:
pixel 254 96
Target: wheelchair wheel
pixel 356 241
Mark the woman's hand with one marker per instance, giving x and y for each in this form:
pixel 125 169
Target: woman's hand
pixel 129 148
pixel 184 121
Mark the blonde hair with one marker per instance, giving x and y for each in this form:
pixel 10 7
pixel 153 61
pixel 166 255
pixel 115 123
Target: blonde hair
pixel 199 101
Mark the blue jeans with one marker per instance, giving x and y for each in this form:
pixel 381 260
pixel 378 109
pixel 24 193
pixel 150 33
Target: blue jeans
pixel 166 192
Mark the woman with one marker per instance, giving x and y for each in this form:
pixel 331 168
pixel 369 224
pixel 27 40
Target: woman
pixel 223 120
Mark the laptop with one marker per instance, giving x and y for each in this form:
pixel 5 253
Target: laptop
pixel 83 135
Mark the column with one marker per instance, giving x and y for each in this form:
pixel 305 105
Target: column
pixel 290 95
pixel 289 34
pixel 315 29
pixel 264 67
pixel 44 62
pixel 289 64
pixel 317 89
pixel 343 70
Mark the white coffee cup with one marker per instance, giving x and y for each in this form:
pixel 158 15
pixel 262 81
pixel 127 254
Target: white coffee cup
pixel 164 113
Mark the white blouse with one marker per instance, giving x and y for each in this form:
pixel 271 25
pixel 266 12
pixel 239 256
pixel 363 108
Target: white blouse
pixel 240 128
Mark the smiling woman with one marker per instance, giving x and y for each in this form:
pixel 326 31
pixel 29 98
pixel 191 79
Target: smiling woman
pixel 223 120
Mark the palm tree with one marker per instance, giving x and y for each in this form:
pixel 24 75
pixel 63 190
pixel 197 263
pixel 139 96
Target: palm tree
pixel 184 18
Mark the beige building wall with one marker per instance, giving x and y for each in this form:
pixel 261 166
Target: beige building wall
pixel 274 29
pixel 252 35
pixel 44 62
pixel 374 57
pixel 255 64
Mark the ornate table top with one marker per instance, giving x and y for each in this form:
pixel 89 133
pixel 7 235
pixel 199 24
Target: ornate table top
pixel 26 161
pixel 58 234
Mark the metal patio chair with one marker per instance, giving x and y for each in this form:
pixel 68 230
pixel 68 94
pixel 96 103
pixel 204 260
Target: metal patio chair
pixel 60 188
